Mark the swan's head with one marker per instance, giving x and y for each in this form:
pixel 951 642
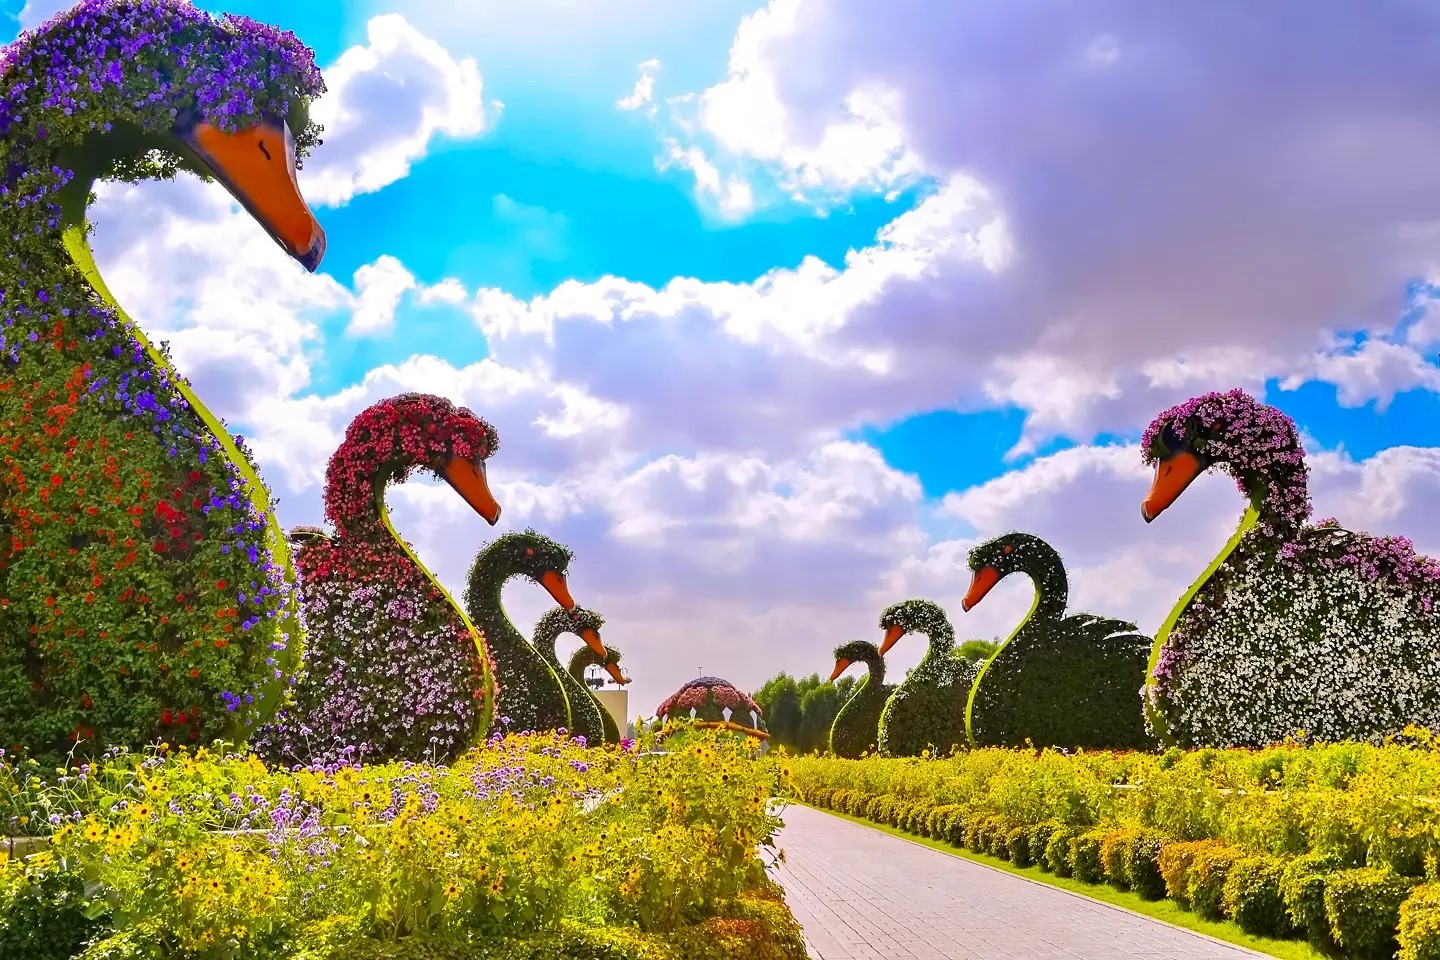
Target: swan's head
pixel 586 655
pixel 914 616
pixel 118 88
pixel 391 439
pixel 857 651
pixel 585 624
pixel 1254 443
pixel 527 554
pixel 996 559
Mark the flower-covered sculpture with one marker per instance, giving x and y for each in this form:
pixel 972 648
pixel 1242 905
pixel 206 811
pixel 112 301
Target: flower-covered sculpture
pixel 1057 681
pixel 856 728
pixel 145 586
pixel 709 702
pixel 1292 627
pixel 583 659
pixel 531 697
pixel 927 710
pixel 586 712
pixel 392 666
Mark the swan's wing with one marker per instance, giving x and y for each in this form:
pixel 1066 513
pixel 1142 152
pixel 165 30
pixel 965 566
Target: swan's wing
pixel 1091 628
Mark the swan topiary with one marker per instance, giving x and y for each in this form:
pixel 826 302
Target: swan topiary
pixel 531 697
pixel 393 668
pixel 583 659
pixel 856 728
pixel 1292 627
pixel 145 586
pixel 927 710
pixel 586 712
pixel 1057 681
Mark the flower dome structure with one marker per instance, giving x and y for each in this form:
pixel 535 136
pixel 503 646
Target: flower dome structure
pixel 712 702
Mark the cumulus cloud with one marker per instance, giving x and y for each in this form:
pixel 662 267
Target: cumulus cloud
pixel 386 102
pixel 643 93
pixel 379 287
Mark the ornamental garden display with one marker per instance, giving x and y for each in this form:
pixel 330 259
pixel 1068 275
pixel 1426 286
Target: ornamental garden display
pixel 586 712
pixel 711 703
pixel 145 586
pixel 583 659
pixel 1293 627
pixel 927 711
pixel 856 729
pixel 1057 681
pixel 392 667
pixel 530 696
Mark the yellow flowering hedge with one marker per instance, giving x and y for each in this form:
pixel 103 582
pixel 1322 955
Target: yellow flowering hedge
pixel 525 848
pixel 1335 843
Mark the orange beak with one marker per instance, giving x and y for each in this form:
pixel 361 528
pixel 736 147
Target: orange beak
pixel 560 591
pixel 892 634
pixel 1172 476
pixel 468 480
pixel 591 637
pixel 981 582
pixel 841 666
pixel 614 670
pixel 257 166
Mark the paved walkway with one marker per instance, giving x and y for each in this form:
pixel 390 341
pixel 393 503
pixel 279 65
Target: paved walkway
pixel 862 894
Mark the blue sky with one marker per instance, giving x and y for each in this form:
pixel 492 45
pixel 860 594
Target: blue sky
pixel 1091 246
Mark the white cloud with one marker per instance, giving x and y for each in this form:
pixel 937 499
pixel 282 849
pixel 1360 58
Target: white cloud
pixel 731 194
pixel 387 101
pixel 379 286
pixel 643 92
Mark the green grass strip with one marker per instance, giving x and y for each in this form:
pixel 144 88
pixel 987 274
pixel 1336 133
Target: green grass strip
pixel 1166 911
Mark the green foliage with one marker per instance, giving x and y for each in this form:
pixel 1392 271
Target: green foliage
pixel 856 729
pixel 1056 681
pixel 1085 864
pixel 1060 850
pixel 1363 908
pixel 1302 888
pixel 586 713
pixel 926 713
pixel 977 650
pixel 1420 924
pixel 798 715
pixel 43 913
pixel 1207 875
pixel 530 695
pixel 1251 896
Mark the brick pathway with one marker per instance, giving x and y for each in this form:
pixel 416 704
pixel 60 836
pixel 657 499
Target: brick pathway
pixel 862 894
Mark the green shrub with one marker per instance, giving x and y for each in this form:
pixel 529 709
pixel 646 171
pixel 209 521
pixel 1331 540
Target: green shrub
pixel 1115 856
pixel 1142 865
pixel 1420 924
pixel 1085 863
pixel 1251 896
pixel 999 832
pixel 1058 850
pixel 1017 846
pixel 1176 860
pixel 42 915
pixel 955 826
pixel 1040 835
pixel 1208 871
pixel 1302 887
pixel 1363 908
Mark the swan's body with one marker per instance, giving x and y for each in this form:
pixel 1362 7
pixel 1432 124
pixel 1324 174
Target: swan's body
pixel 531 697
pixel 145 587
pixel 856 729
pixel 927 710
pixel 1056 681
pixel 1292 627
pixel 587 715
pixel 392 662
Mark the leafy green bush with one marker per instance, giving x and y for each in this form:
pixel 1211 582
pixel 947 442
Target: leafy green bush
pixel 1142 865
pixel 1363 908
pixel 1206 884
pixel 1176 859
pixel 43 912
pixel 1302 888
pixel 1251 896
pixel 1085 863
pixel 1420 924
pixel 1058 850
pixel 1017 846
pixel 1039 844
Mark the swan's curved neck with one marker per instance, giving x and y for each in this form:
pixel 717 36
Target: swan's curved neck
pixel 1247 522
pixel 485 602
pixel 74 202
pixel 876 665
pixel 1052 587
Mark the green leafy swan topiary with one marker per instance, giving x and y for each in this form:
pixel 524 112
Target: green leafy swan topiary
pixel 927 710
pixel 1292 627
pixel 145 585
pixel 583 659
pixel 393 670
pixel 1057 681
pixel 586 712
pixel 531 697
pixel 856 729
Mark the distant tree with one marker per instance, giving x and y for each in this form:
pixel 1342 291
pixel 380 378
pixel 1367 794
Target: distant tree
pixel 779 698
pixel 799 713
pixel 977 650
